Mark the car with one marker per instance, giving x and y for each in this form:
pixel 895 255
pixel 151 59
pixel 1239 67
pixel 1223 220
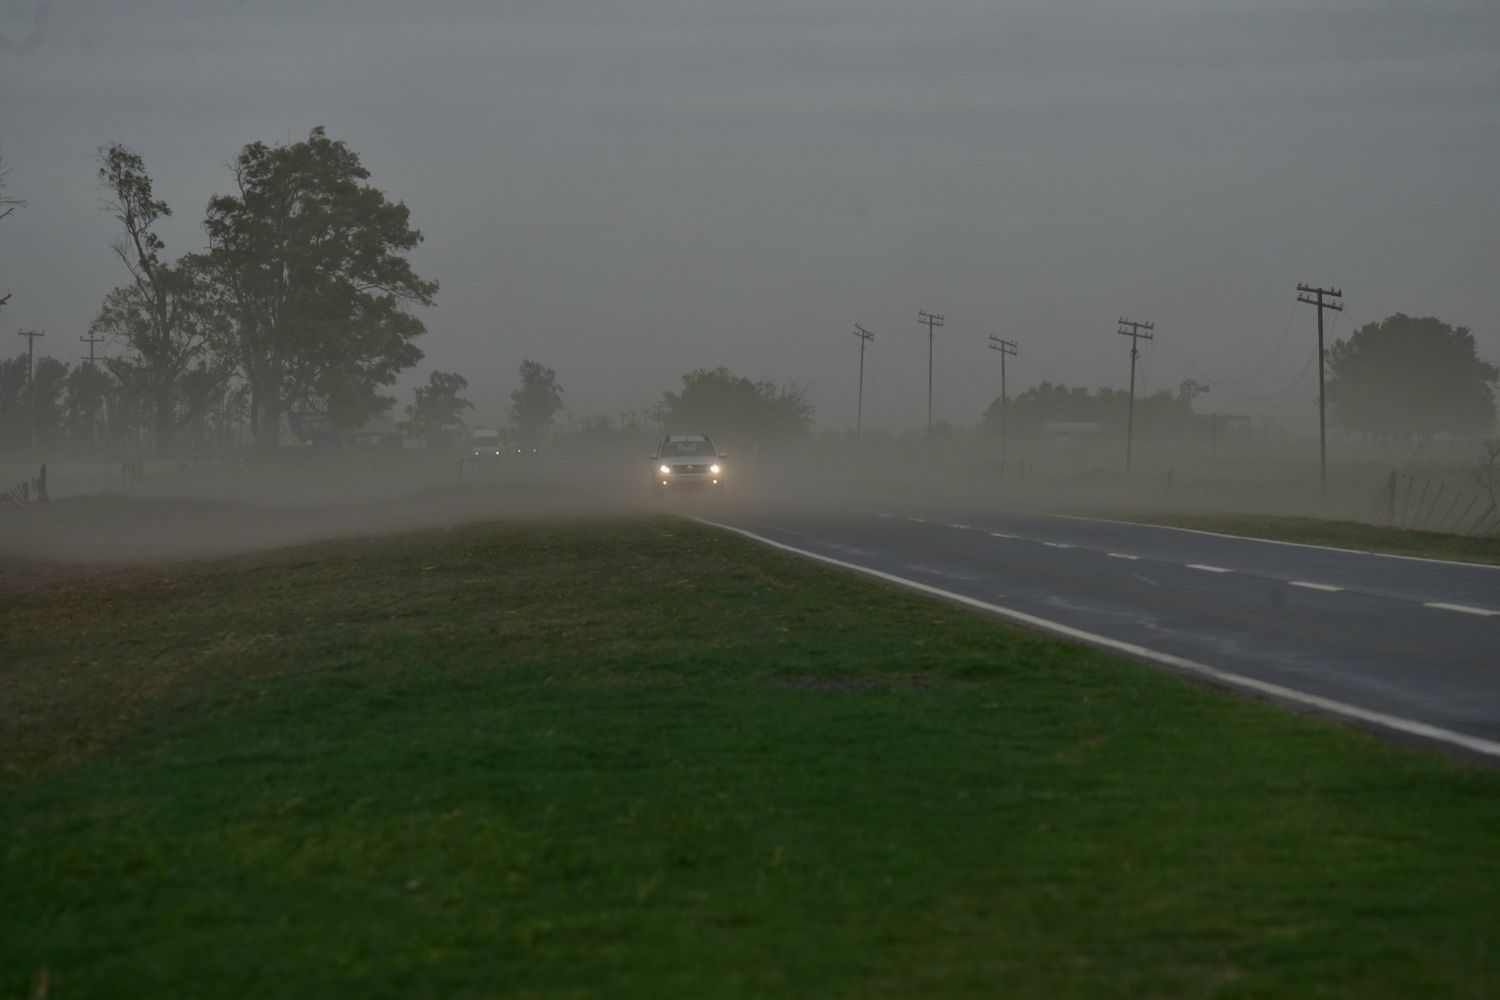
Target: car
pixel 687 462
pixel 487 444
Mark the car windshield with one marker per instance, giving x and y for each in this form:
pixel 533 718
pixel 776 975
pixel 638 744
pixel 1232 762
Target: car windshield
pixel 686 449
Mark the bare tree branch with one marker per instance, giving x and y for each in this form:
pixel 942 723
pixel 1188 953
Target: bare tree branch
pixel 7 206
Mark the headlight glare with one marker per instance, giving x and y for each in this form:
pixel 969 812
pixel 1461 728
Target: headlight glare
pixel 714 469
pixel 665 469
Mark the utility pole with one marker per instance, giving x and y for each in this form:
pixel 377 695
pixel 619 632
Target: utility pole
pixel 865 336
pixel 1305 295
pixel 91 341
pixel 1007 348
pixel 929 320
pixel 31 336
pixel 1137 332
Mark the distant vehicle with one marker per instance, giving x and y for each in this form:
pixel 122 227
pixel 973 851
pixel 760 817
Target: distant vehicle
pixel 487 444
pixel 686 462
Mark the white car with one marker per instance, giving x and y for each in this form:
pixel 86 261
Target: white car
pixel 686 462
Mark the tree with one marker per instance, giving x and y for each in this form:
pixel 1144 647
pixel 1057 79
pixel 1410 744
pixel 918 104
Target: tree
pixel 533 406
pixel 168 314
pixel 1029 412
pixel 7 206
pixel 1409 375
pixel 44 403
pixel 731 407
pixel 87 389
pixel 312 263
pixel 13 376
pixel 439 404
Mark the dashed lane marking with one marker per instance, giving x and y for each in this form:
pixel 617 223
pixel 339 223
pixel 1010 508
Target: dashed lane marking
pixel 1394 723
pixel 1462 608
pixel 1275 541
pixel 1326 588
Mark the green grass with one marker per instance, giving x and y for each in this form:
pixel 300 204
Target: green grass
pixel 1341 534
pixel 647 759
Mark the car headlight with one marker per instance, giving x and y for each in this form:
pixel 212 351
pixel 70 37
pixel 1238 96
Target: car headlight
pixel 665 469
pixel 714 469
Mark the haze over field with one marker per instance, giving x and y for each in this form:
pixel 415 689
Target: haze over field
pixel 630 190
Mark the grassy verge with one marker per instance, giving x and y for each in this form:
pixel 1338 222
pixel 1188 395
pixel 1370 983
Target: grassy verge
pixel 1340 534
pixel 647 759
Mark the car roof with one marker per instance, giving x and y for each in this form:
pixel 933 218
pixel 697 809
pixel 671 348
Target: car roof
pixel 687 437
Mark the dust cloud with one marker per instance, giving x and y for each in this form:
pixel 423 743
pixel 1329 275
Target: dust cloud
pixel 180 511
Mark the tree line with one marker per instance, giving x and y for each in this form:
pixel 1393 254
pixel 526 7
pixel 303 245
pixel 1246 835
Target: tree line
pixel 301 299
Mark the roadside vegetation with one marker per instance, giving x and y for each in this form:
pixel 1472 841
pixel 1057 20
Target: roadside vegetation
pixel 645 758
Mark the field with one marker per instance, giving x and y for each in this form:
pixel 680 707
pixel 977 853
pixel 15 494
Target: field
pixel 638 757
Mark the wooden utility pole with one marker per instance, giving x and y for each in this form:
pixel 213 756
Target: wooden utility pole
pixel 929 320
pixel 31 336
pixel 1136 332
pixel 865 336
pixel 1007 348
pixel 91 341
pixel 1305 295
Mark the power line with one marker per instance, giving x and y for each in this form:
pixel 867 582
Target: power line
pixel 1275 353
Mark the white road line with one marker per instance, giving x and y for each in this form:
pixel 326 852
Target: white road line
pixel 1209 569
pixel 1305 585
pixel 1056 545
pixel 1464 608
pixel 1122 555
pixel 919 520
pixel 1001 534
pixel 1488 748
pixel 959 527
pixel 1270 541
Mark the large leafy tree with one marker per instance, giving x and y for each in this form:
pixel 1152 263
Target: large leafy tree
pixel 168 314
pixel 537 401
pixel 13 378
pixel 734 408
pixel 88 389
pixel 439 404
pixel 1410 376
pixel 312 262
pixel 44 402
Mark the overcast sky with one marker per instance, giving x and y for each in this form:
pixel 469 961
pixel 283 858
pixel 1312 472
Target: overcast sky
pixel 629 189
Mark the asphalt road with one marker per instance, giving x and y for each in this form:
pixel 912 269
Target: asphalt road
pixel 1406 646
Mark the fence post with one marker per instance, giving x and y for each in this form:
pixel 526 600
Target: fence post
pixel 1416 520
pixel 1437 499
pixel 1390 499
pixel 41 484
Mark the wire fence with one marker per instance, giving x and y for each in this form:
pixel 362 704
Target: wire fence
pixel 27 491
pixel 1421 503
